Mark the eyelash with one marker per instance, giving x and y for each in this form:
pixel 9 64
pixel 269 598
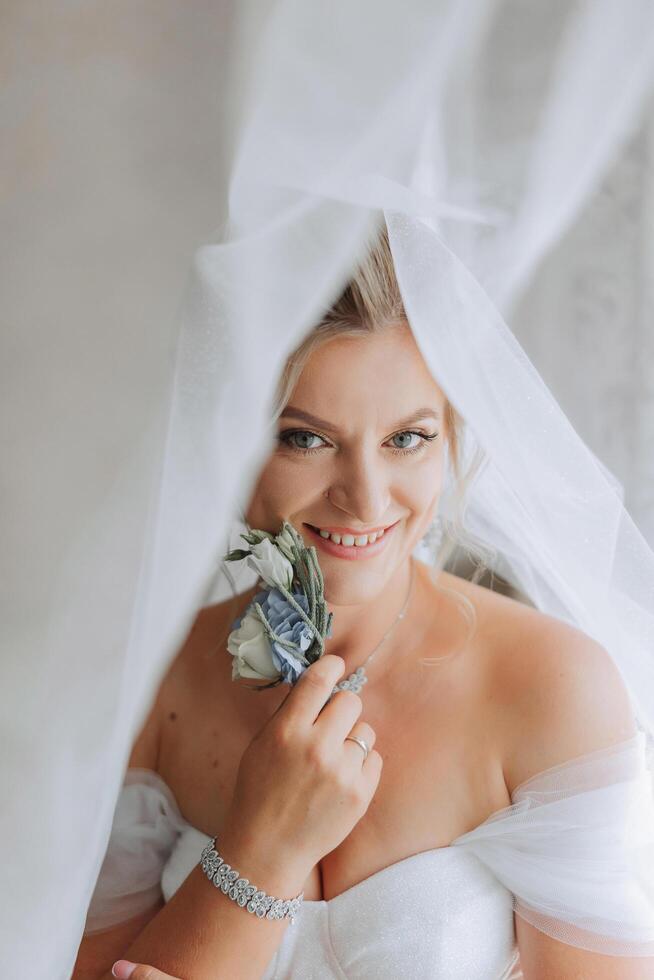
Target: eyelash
pixel 285 436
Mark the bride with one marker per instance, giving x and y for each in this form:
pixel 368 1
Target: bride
pixel 470 695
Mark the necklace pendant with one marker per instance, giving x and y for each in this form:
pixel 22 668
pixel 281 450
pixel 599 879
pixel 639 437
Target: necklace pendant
pixel 354 682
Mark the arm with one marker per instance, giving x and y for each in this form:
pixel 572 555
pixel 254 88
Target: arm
pixel 199 919
pixel 297 772
pixel 569 700
pixel 545 958
pixel 200 933
pixel 99 951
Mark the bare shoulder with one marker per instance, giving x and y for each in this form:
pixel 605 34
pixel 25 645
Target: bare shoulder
pixel 556 693
pixel 184 677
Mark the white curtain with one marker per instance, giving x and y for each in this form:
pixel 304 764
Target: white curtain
pixel 587 320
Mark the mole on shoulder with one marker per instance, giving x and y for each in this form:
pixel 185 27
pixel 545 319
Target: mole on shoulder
pixel 172 715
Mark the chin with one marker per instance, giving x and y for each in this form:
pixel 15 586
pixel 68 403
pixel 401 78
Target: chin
pixel 353 588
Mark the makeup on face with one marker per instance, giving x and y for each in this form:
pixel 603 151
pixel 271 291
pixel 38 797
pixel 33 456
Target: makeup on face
pixel 347 547
pixel 363 428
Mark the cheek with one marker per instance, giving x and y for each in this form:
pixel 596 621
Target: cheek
pixel 423 484
pixel 422 495
pixel 283 489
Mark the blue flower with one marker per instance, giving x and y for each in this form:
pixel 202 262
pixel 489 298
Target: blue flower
pixel 289 626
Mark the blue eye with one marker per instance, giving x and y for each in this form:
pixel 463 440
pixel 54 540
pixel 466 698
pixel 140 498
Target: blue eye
pixel 406 446
pixel 301 440
pixel 404 440
pixel 306 442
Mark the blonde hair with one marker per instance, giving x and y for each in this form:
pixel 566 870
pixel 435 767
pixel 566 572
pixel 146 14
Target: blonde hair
pixel 370 303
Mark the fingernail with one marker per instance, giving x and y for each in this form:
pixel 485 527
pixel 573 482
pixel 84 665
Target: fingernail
pixel 123 969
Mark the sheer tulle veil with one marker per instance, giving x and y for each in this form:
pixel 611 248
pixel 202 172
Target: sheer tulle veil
pixel 351 116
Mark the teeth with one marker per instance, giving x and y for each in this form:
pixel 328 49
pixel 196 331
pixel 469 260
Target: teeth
pixel 349 540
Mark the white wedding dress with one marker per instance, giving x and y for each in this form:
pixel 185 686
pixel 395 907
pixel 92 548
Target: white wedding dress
pixel 566 854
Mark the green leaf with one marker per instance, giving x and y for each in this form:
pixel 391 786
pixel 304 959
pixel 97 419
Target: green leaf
pixel 256 536
pixel 237 555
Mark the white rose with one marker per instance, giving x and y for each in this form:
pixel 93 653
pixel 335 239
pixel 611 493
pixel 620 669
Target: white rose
pixel 271 565
pixel 250 649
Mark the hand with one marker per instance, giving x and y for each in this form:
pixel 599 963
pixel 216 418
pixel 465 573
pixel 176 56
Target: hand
pixel 300 787
pixel 125 970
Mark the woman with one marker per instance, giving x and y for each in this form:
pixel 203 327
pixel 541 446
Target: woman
pixel 459 712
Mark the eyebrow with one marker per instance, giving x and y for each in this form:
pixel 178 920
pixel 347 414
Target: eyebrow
pixel 298 413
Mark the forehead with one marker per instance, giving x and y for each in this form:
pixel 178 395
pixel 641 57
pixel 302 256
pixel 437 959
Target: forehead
pixel 382 374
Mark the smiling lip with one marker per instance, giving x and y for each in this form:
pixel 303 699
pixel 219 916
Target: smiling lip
pixel 350 530
pixel 351 552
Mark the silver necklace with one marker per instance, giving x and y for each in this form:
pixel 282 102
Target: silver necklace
pixel 358 678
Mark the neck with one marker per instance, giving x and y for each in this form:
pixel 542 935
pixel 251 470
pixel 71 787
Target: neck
pixel 357 629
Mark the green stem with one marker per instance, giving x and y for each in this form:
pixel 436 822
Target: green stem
pixel 316 567
pixel 312 595
pixel 313 561
pixel 293 602
pixel 270 633
pixel 263 687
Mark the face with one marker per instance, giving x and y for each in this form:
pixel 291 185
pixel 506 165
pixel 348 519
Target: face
pixel 353 458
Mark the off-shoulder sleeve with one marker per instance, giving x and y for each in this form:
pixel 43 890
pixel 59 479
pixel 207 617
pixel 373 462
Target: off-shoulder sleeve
pixel 576 849
pixel 146 825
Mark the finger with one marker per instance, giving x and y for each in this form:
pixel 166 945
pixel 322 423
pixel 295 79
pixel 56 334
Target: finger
pixel 371 772
pixel 336 719
pixel 365 731
pixel 353 751
pixel 125 970
pixel 304 701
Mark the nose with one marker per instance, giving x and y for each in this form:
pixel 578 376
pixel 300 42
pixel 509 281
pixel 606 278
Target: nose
pixel 361 491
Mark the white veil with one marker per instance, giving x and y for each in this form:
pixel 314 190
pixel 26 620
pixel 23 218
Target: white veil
pixel 476 130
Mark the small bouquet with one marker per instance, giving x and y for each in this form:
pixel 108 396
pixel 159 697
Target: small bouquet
pixel 283 630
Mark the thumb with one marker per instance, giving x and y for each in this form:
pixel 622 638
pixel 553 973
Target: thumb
pixel 124 970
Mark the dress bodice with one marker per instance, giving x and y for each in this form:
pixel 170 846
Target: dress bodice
pixel 413 918
pixel 573 854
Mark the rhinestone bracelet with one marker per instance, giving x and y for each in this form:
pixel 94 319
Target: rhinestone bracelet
pixel 240 890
